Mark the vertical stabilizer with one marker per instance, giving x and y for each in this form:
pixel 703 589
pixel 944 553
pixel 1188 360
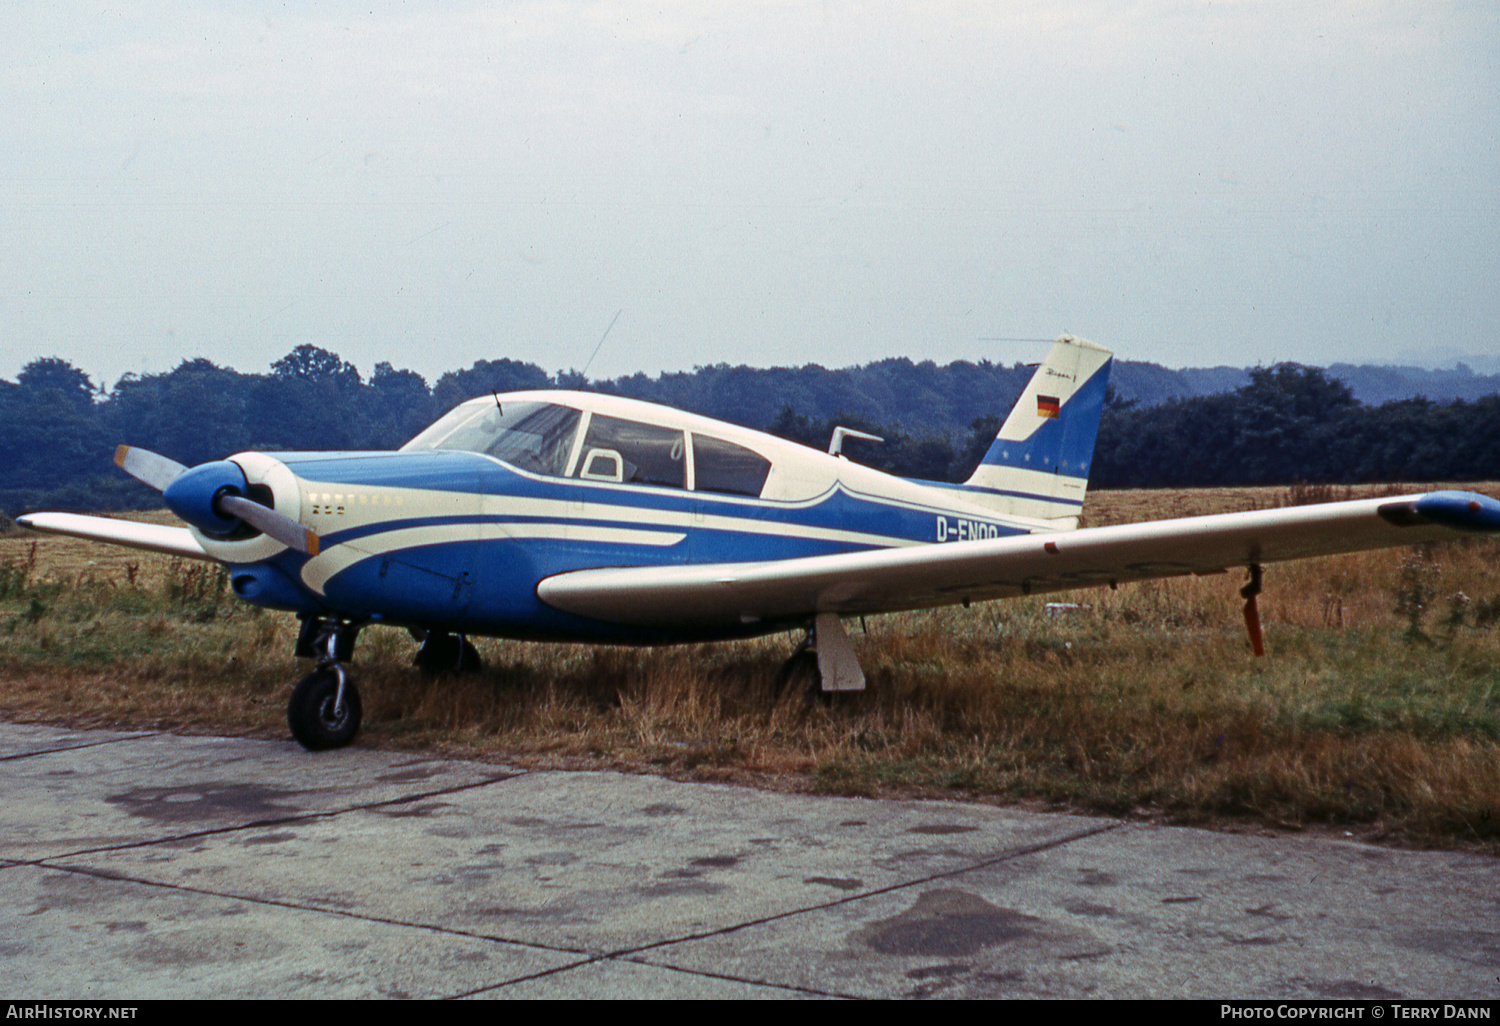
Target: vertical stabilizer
pixel 1038 465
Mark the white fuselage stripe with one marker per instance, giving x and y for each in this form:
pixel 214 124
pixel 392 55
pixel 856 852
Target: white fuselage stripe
pixel 1038 483
pixel 418 504
pixel 316 572
pixel 479 517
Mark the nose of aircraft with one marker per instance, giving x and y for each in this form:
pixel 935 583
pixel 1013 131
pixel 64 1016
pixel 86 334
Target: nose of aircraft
pixel 213 497
pixel 192 495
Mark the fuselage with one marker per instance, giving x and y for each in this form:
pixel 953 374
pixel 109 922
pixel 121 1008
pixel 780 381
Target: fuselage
pixel 456 530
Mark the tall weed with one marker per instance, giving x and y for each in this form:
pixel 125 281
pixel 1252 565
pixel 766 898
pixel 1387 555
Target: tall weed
pixel 1139 701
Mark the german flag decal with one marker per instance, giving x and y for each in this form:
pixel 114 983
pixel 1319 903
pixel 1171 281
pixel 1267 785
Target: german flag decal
pixel 1048 406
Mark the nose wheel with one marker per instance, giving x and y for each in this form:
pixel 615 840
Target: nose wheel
pixel 325 711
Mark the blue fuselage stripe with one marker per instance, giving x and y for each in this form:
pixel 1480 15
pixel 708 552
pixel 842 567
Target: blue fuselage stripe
pixel 475 565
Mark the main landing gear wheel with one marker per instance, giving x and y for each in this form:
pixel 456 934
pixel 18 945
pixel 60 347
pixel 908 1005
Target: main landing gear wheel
pixel 799 675
pixel 824 664
pixel 447 653
pixel 324 711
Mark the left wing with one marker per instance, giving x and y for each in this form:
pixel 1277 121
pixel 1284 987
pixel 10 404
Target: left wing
pixel 887 580
pixel 174 541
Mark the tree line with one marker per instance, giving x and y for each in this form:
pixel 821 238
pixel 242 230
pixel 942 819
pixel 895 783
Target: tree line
pixel 1286 424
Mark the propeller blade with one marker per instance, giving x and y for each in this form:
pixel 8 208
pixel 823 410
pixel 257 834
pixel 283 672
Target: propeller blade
pixel 147 467
pixel 266 520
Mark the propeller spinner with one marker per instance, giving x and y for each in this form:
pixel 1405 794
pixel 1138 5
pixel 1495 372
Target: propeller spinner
pixel 211 497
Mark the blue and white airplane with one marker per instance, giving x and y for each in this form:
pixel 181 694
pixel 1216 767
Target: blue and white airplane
pixel 576 516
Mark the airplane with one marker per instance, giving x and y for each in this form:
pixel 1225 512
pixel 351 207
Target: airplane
pixel 579 516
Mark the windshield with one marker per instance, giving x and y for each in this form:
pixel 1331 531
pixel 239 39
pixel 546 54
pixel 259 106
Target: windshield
pixel 529 436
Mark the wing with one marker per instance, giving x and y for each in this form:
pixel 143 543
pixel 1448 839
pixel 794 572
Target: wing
pixel 886 580
pixel 174 541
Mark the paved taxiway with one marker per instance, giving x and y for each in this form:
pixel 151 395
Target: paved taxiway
pixel 149 866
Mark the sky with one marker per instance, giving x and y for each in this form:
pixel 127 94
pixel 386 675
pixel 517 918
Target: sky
pixel 768 183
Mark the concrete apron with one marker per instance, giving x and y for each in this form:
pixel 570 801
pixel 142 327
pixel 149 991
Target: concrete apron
pixel 153 866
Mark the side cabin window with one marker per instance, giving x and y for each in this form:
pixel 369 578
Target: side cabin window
pixel 720 466
pixel 529 436
pixel 632 453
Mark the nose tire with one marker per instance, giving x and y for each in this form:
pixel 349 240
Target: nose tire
pixel 317 722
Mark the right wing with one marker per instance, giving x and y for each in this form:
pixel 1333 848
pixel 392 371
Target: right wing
pixel 174 541
pixel 888 580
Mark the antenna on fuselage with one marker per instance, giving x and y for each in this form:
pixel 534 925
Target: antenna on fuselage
pixel 584 373
pixel 836 443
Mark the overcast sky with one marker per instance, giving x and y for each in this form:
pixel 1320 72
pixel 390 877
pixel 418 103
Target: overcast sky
pixel 748 182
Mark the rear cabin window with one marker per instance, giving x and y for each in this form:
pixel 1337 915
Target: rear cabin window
pixel 632 453
pixel 720 466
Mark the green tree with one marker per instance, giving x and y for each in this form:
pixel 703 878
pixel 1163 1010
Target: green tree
pixel 487 376
pixel 54 438
pixel 398 405
pixel 311 401
pixel 193 413
pixel 317 366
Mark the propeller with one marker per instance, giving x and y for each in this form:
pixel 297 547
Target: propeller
pixel 211 497
pixel 147 467
pixel 269 522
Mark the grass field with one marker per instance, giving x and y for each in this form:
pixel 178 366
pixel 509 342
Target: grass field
pixel 1377 711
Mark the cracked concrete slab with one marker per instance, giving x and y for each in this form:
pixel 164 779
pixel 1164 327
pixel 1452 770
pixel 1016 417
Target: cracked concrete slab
pixel 626 979
pixel 66 795
pixel 217 866
pixel 1150 912
pixel 597 862
pixel 70 935
pixel 22 739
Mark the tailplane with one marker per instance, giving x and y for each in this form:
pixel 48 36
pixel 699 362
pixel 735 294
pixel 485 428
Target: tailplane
pixel 1038 465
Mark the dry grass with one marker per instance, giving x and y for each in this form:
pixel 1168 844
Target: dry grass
pixel 1143 701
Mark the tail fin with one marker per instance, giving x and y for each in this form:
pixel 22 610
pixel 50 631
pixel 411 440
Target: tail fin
pixel 1038 465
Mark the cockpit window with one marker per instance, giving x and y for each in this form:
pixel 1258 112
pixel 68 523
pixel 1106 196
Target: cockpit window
pixel 529 436
pixel 633 453
pixel 720 466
